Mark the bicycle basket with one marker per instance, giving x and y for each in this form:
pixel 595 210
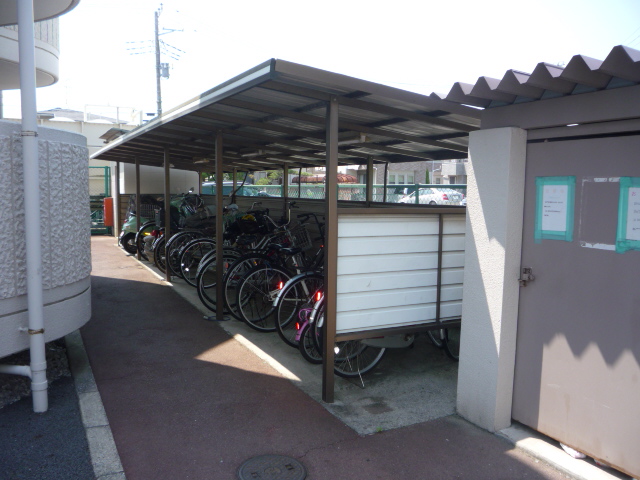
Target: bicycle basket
pixel 249 226
pixel 300 237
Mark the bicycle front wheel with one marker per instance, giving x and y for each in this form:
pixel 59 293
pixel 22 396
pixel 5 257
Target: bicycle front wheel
pixel 352 358
pixel 256 293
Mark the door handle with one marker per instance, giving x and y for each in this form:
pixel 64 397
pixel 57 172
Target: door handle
pixel 526 275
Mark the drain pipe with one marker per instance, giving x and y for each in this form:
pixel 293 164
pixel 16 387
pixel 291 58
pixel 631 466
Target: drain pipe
pixel 29 134
pixel 23 370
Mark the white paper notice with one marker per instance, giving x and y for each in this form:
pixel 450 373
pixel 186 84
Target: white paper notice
pixel 554 208
pixel 633 214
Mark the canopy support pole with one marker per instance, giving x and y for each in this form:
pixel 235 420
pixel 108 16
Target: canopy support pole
pixel 370 179
pixel 331 251
pixel 138 222
pixel 117 223
pixel 219 226
pixel 167 208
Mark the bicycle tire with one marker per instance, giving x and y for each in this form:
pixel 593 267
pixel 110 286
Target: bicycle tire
pixel 234 274
pixel 308 346
pixel 436 337
pixel 255 295
pixel 173 249
pixel 298 294
pixel 352 358
pixel 207 279
pixel 159 254
pixel 451 343
pixel 144 231
pixel 190 257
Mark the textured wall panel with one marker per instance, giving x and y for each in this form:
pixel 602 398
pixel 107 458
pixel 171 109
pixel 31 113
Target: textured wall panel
pixel 64 213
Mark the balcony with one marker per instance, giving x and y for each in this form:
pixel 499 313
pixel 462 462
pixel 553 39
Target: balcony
pixel 46 51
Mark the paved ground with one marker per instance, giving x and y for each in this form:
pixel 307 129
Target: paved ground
pixel 45 446
pixel 186 399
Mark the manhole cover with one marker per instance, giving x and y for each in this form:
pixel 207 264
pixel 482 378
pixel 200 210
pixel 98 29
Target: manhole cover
pixel 272 467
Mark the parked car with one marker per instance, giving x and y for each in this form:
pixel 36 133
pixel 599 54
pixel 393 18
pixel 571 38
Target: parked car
pixel 434 196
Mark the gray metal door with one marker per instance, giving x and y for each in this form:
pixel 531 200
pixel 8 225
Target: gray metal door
pixel 577 376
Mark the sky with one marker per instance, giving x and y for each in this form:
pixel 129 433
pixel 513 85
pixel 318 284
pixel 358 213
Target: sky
pixel 106 47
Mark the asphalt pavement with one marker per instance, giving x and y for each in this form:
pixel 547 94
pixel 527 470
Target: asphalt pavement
pixel 164 394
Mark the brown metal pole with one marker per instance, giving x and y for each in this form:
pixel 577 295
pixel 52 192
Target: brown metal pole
pixel 439 273
pixel 219 226
pixel 386 171
pixel 285 181
pixel 167 207
pixel 369 195
pixel 117 222
pixel 331 251
pixel 138 222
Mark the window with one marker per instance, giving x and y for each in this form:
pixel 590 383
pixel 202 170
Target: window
pixel 392 179
pixel 400 179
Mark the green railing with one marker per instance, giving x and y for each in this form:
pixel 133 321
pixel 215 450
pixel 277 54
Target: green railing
pixel 99 189
pixel 453 194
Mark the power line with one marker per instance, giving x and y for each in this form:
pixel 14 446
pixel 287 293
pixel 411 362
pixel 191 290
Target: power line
pixel 159 47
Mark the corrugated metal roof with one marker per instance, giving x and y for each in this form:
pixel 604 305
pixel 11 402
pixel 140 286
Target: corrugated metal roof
pixel 274 115
pixel 581 75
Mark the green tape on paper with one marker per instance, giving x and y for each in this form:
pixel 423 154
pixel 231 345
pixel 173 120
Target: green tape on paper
pixel 555 197
pixel 628 233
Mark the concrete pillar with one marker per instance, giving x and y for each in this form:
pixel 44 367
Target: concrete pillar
pixel 496 178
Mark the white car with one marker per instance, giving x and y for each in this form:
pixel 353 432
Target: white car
pixel 434 196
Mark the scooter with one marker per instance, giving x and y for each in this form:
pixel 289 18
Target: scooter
pixel 127 237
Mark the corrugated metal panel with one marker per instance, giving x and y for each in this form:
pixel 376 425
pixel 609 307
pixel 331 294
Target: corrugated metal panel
pixel 276 112
pixel 581 75
pixel 387 270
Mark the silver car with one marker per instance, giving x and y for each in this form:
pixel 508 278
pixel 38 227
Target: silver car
pixel 434 196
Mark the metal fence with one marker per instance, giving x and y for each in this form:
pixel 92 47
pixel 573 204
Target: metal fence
pixel 99 189
pixel 427 194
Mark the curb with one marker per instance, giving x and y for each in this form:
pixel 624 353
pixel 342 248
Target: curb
pixel 548 451
pixel 102 448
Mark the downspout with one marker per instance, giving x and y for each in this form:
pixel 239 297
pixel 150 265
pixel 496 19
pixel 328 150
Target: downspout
pixel 31 175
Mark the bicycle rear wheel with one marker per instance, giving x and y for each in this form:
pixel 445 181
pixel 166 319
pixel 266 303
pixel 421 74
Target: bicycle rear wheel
pixel 436 337
pixel 190 257
pixel 297 296
pixel 255 295
pixel 308 345
pixel 174 248
pixel 234 274
pixel 451 342
pixel 143 232
pixel 207 278
pixel 159 254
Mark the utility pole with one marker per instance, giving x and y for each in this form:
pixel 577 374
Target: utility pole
pixel 158 72
pixel 159 47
